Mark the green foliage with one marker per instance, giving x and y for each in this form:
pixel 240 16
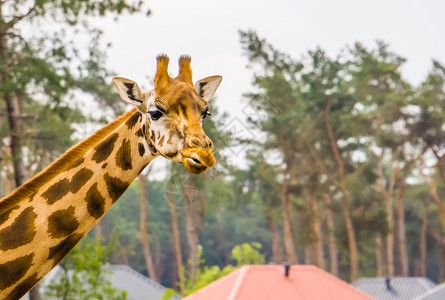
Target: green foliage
pixel 85 276
pixel 169 294
pixel 248 254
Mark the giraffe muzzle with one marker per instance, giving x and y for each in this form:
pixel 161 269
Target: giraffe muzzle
pixel 197 160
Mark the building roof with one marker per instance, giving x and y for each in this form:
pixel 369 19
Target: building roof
pixel 137 286
pixel 259 282
pixel 436 293
pixel 394 288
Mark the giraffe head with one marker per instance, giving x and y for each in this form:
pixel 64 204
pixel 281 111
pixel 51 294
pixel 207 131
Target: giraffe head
pixel 174 112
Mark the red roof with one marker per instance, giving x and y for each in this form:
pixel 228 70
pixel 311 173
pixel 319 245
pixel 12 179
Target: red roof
pixel 259 282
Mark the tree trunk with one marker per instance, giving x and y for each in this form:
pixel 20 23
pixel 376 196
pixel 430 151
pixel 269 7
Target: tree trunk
pixel 277 250
pixel 386 188
pixel 122 254
pixel 193 243
pixel 308 255
pixel 98 233
pixel 316 228
pixel 15 127
pixel 422 241
pixel 441 273
pixel 378 255
pixel 436 199
pixel 289 245
pixel 223 258
pixel 16 131
pixel 401 235
pixel 13 111
pixel 176 238
pixel 352 243
pixel 192 226
pixel 143 229
pixel 333 251
pixel 9 172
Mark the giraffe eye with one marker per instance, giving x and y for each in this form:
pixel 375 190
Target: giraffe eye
pixel 155 115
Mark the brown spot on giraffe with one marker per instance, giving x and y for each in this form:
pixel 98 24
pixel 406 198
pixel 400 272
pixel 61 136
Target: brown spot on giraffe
pixel 141 149
pixel 79 179
pixel 140 132
pixel 123 156
pixel 152 148
pixel 62 223
pixel 57 252
pixel 23 287
pixel 133 120
pixel 145 129
pixel 14 270
pixel 95 202
pixel 115 186
pixel 20 232
pixel 104 148
pixel 4 216
pixel 104 165
pixel 57 191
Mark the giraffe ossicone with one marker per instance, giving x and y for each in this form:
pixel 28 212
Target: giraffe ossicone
pixel 41 221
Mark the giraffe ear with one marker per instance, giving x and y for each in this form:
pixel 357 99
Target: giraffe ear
pixel 206 87
pixel 129 91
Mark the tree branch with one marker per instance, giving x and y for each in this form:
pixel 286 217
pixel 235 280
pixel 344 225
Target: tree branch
pixel 17 19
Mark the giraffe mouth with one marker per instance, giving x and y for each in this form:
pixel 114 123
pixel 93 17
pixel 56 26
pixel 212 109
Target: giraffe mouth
pixel 197 160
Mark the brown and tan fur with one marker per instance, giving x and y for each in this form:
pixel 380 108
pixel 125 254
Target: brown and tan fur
pixel 44 219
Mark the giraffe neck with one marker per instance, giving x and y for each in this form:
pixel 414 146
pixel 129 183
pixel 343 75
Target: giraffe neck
pixel 40 229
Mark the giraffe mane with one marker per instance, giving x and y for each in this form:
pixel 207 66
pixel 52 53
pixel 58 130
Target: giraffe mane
pixel 78 150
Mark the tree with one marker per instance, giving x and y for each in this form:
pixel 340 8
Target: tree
pixel 276 99
pixel 381 95
pixel 176 238
pixel 38 71
pixel 84 275
pixel 427 127
pixel 143 228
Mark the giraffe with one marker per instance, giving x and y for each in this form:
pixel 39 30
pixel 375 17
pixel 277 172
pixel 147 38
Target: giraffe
pixel 41 221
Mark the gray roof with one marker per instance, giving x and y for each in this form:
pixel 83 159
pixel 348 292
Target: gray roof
pixel 397 288
pixel 437 293
pixel 137 286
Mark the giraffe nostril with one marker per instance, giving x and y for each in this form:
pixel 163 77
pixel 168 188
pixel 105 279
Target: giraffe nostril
pixel 195 143
pixel 203 142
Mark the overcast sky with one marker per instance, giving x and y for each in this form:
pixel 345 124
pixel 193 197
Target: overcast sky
pixel 208 31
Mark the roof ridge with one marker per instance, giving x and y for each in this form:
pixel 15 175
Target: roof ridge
pixel 239 281
pixel 430 291
pixel 339 282
pixel 217 281
pixel 128 269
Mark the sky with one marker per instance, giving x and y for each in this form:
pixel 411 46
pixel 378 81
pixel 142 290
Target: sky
pixel 208 31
